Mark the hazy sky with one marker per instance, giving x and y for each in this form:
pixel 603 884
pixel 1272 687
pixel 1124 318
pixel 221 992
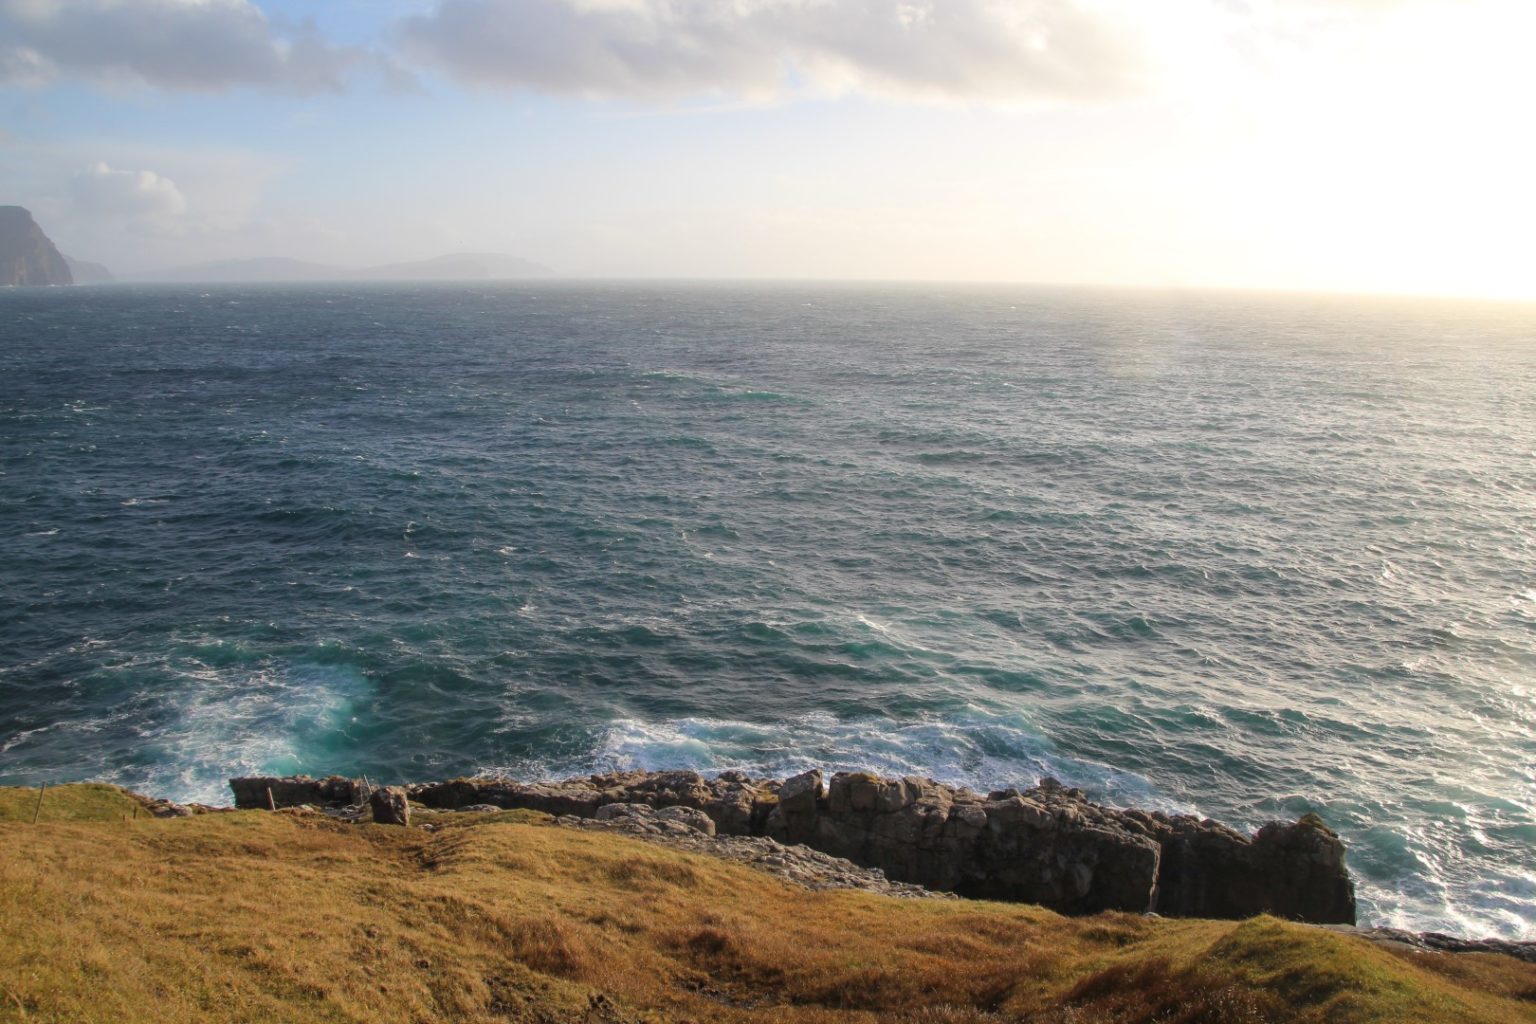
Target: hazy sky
pixel 1376 145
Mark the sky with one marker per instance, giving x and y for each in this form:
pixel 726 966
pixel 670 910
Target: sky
pixel 1339 145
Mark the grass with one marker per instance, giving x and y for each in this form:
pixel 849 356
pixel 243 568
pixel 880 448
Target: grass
pixel 255 917
pixel 85 801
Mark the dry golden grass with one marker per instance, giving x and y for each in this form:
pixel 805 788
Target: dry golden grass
pixel 289 917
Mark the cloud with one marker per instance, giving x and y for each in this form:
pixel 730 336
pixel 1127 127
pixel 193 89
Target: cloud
pixel 193 45
pixel 945 49
pixel 965 50
pixel 104 191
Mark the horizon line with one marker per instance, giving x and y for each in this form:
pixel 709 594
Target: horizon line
pixel 1275 291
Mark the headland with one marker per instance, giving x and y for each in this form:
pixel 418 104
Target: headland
pixel 118 907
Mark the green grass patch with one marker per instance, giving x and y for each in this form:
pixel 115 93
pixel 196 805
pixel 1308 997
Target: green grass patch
pixel 82 801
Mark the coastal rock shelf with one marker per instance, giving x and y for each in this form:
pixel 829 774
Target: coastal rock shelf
pixel 1048 845
pixel 684 828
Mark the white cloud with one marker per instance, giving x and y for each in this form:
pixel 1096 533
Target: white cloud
pixel 954 49
pixel 105 191
pixel 195 45
pixel 995 51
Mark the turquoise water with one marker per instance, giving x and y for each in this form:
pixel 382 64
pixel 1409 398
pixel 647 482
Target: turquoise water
pixel 1249 556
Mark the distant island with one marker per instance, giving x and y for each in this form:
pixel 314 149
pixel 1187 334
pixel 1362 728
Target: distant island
pixel 452 267
pixel 28 258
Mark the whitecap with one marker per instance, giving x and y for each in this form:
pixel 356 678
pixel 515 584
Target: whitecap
pixel 278 719
pixel 20 737
pixel 978 749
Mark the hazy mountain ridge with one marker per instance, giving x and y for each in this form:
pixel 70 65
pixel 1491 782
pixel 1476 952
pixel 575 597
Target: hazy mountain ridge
pixel 449 267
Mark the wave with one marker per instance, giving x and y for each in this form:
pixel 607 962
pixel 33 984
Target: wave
pixel 272 718
pixel 978 749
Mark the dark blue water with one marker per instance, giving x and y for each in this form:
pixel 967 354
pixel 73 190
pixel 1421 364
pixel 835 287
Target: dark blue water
pixel 1251 556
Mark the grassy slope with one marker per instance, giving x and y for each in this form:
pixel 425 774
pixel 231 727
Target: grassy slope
pixel 85 801
pixel 254 916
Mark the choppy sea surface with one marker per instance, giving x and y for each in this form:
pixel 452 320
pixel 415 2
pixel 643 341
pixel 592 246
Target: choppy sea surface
pixel 1244 555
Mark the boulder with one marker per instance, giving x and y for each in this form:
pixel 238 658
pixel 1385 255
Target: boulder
pixel 390 806
pixel 793 816
pixel 167 809
pixel 690 817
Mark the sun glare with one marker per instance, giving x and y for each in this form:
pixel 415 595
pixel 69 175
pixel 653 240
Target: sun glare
pixel 1403 161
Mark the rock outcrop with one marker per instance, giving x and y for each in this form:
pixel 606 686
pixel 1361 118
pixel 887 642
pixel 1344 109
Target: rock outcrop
pixel 1051 845
pixel 738 804
pixel 1289 870
pixel 685 828
pixel 295 791
pixel 1048 845
pixel 27 257
pixel 390 806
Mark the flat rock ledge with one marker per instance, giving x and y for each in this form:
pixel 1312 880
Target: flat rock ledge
pixel 1047 845
pixel 685 828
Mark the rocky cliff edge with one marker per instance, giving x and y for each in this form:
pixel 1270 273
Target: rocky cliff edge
pixel 1048 845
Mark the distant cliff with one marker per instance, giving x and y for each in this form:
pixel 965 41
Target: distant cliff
pixel 85 272
pixel 27 257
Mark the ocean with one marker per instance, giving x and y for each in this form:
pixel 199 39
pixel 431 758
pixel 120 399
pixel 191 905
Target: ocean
pixel 1242 555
